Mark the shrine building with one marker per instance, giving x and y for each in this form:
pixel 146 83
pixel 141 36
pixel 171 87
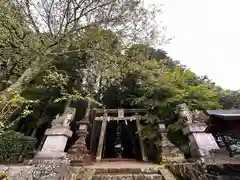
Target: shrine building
pixel 225 126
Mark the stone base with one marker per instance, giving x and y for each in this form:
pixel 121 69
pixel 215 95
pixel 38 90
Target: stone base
pixel 56 139
pixel 170 153
pixel 43 157
pixel 50 155
pixel 80 159
pixel 200 143
pixel 178 157
pixel 45 161
pixel 59 131
pixel 174 155
pixel 54 144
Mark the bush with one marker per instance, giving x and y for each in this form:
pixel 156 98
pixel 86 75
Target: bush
pixel 200 171
pixel 4 176
pixel 177 137
pixel 15 147
pixel 189 172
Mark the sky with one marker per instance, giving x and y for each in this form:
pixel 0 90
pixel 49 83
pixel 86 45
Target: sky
pixel 206 37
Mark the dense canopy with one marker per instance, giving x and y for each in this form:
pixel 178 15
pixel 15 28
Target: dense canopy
pixel 103 51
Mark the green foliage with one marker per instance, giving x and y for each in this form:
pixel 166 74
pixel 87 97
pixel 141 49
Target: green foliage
pixel 176 135
pixel 17 105
pixel 90 58
pixel 175 128
pixel 153 85
pixel 4 176
pixel 14 147
pixel 230 99
pixel 189 172
pixel 54 79
pixel 200 171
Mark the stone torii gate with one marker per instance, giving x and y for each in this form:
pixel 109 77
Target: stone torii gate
pixel 103 116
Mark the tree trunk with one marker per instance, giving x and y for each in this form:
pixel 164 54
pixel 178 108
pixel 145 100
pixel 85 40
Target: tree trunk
pixel 28 75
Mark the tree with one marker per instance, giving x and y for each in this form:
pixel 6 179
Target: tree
pixel 230 99
pixel 53 24
pixel 54 51
pixel 158 87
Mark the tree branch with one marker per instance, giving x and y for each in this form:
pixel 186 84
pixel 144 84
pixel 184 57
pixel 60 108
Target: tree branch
pixel 29 14
pixel 48 12
pixel 62 22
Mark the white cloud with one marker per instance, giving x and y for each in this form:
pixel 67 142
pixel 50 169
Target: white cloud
pixel 206 37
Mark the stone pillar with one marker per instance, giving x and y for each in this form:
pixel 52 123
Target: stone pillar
pixel 170 153
pixel 55 143
pixel 201 143
pixel 78 153
pixel 56 137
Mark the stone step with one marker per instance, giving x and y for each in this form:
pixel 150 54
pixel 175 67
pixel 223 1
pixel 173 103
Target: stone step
pixel 127 177
pixel 128 171
pixel 77 163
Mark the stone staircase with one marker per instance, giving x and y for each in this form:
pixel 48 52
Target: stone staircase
pixel 127 174
pixel 121 170
pixel 122 174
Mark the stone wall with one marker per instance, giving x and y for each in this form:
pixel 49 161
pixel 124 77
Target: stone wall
pixel 49 170
pixel 169 152
pixel 199 171
pixel 61 171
